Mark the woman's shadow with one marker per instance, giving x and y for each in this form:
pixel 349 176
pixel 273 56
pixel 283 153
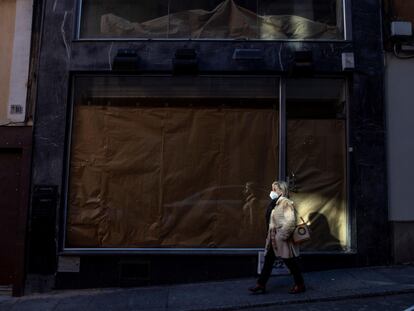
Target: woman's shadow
pixel 321 236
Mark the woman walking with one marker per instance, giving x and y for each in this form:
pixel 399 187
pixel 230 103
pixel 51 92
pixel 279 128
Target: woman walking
pixel 281 221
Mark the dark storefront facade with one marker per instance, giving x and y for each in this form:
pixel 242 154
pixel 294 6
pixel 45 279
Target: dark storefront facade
pixel 160 126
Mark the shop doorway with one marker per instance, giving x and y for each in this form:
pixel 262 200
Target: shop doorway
pixel 10 170
pixel 15 155
pixel 316 159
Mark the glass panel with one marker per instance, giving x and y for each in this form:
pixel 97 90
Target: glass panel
pixel 231 19
pixel 124 19
pixel 316 159
pixel 301 19
pixel 168 162
pixel 213 19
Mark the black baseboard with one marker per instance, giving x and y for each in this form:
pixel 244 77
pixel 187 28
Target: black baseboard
pixel 135 270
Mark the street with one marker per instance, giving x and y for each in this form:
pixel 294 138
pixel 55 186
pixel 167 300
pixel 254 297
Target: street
pixel 384 288
pixel 404 302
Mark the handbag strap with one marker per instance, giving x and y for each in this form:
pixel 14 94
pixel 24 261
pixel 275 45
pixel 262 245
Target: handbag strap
pixel 300 217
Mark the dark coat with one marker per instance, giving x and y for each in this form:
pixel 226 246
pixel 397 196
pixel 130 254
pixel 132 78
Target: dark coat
pixel 269 210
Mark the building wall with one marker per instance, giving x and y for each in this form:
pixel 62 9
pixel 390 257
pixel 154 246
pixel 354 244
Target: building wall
pixel 61 55
pixel 16 26
pixel 15 141
pixel 400 110
pixel 7 21
pixel 21 61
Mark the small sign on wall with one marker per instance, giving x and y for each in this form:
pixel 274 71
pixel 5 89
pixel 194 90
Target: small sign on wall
pixel 69 264
pixel 279 267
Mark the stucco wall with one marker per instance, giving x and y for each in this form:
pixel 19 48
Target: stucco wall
pixel 400 112
pixel 21 60
pixel 15 38
pixel 7 21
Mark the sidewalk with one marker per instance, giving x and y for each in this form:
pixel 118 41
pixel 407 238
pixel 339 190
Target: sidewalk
pixel 225 295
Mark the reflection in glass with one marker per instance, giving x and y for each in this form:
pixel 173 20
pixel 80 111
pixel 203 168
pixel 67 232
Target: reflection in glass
pixel 301 19
pixel 122 18
pixel 213 19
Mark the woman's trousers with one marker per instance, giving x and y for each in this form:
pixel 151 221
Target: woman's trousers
pixel 291 264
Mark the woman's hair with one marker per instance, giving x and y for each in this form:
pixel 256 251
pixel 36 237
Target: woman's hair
pixel 283 186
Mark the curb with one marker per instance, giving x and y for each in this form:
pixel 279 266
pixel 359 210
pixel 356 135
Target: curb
pixel 308 300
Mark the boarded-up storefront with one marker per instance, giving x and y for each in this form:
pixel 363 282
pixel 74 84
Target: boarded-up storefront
pixel 170 177
pixel 190 165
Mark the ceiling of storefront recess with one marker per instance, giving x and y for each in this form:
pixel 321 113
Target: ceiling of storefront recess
pixel 403 9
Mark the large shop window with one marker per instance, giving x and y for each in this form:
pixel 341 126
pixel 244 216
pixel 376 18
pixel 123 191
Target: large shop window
pixel 316 159
pixel 171 162
pixel 213 19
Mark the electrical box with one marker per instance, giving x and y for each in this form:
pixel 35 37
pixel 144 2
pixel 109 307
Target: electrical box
pixel 401 29
pixel 42 243
pixel 348 61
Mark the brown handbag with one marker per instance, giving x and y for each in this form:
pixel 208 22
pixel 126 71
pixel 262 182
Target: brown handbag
pixel 301 233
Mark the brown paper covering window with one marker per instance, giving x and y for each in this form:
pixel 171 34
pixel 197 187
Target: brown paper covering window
pixel 170 177
pixel 317 165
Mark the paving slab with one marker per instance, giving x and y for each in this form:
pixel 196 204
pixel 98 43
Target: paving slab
pixel 224 295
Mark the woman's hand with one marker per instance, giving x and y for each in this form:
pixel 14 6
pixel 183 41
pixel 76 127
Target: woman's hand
pixel 282 235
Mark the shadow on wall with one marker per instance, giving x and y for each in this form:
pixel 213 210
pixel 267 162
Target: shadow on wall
pixel 322 238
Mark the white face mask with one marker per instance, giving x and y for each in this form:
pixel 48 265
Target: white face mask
pixel 273 195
